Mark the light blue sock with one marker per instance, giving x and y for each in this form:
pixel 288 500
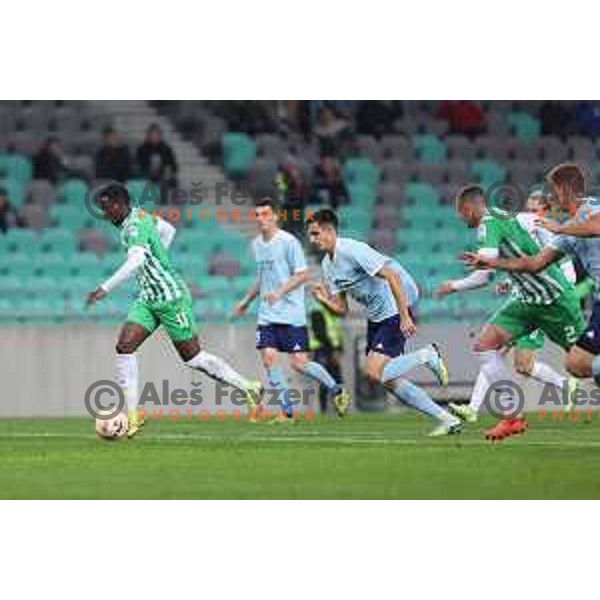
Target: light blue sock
pixel 596 369
pixel 278 381
pixel 404 363
pixel 414 396
pixel 316 371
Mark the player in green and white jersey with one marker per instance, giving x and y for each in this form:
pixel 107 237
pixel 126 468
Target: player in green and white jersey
pixel 544 300
pixel 164 300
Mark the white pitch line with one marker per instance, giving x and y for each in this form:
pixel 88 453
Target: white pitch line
pixel 345 440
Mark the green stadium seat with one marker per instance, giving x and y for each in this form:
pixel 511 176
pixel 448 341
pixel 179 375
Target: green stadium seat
pixel 430 149
pixel 526 127
pixel 361 194
pixel 239 154
pixel 71 217
pixel 23 241
pixel 361 170
pixel 57 240
pixel 422 193
pixel 15 190
pixel 487 172
pixel 73 192
pixel 17 167
pixel 144 193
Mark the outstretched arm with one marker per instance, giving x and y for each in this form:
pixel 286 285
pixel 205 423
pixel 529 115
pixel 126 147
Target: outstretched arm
pixel 589 227
pixel 523 264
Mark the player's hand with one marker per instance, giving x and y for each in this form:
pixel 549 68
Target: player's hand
pixel 445 289
pixel 240 309
pixel 319 292
pixel 407 326
pixel 549 225
pixel 273 297
pixel 503 288
pixel 94 296
pixel 476 261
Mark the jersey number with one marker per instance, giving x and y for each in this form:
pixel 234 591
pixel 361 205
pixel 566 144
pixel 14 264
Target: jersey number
pixel 571 334
pixel 182 319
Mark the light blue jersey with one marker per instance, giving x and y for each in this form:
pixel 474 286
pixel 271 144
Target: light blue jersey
pixel 277 260
pixel 586 249
pixel 353 270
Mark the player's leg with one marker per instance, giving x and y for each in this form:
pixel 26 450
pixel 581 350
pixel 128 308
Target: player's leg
pixel 527 363
pixel 295 340
pixel 410 394
pixel 178 320
pixel 140 324
pixel 277 379
pixel 583 359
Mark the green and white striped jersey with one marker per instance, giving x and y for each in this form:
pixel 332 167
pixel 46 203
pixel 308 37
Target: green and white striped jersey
pixel 157 278
pixel 516 237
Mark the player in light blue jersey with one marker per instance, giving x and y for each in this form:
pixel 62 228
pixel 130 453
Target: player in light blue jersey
pixel 281 282
pixel 387 292
pixel 578 236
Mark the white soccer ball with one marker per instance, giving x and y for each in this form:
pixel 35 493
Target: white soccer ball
pixel 113 428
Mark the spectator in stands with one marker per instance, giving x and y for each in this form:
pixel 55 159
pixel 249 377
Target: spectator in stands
pixel 464 117
pixel 587 118
pixel 556 119
pixel 50 162
pixel 156 160
pixel 328 185
pixel 112 159
pixel 376 117
pixel 8 215
pixel 251 116
pixel 333 132
pixel 295 194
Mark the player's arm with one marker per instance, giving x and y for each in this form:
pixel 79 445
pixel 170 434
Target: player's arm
pixel 393 280
pixel 242 306
pixel 297 264
pixel 135 259
pixel 589 227
pixel 166 232
pixel 477 279
pixel 336 303
pixel 523 264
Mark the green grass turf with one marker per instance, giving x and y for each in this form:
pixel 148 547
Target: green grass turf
pixel 365 456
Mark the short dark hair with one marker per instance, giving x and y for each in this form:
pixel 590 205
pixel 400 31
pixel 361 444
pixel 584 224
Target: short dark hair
pixel 325 216
pixel 472 192
pixel 570 174
pixel 113 191
pixel 268 201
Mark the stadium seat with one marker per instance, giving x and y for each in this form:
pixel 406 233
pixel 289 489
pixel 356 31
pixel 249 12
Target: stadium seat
pixel 526 127
pixel 487 172
pixel 429 149
pixel 239 152
pixel 361 170
pixel 73 192
pixel 15 190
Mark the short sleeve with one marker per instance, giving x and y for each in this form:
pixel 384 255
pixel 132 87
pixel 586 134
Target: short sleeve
pixel 563 243
pixel 367 258
pixel 137 234
pixel 488 237
pixel 295 256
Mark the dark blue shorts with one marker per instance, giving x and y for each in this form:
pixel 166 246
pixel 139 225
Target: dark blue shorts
pixel 285 338
pixel 385 337
pixel 590 338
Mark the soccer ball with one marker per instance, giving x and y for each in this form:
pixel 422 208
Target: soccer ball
pixel 113 428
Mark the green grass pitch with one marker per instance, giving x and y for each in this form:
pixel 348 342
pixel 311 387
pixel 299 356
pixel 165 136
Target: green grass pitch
pixel 364 456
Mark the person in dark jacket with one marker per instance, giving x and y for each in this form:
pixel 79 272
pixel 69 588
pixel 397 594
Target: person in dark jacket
pixel 112 159
pixel 50 163
pixel 156 159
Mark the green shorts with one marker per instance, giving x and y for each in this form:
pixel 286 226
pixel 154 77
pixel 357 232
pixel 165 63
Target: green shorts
pixel 533 341
pixel 562 321
pixel 176 317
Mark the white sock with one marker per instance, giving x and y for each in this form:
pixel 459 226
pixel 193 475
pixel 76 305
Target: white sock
pixel 546 374
pixel 493 366
pixel 218 369
pixel 482 385
pixel 126 375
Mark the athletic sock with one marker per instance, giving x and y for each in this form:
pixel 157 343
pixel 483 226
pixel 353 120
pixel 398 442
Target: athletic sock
pixel 494 369
pixel 596 369
pixel 480 389
pixel 126 376
pixel 405 362
pixel 318 372
pixel 419 399
pixel 278 381
pixel 546 374
pixel 218 369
